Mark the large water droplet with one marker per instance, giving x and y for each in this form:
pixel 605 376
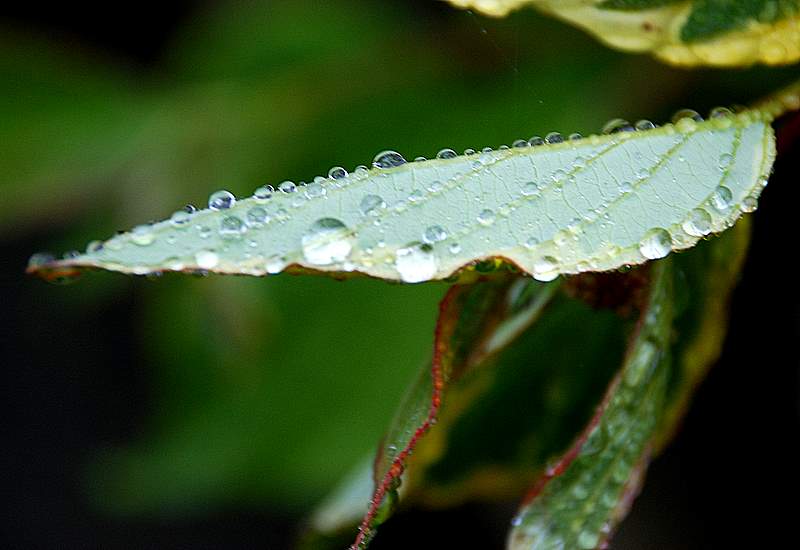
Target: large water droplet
pixel 415 263
pixel 698 224
pixel 264 193
pixel 545 268
pixel 206 259
pixel 287 187
pixel 722 198
pixel 617 125
pixel 446 154
pixel 644 125
pixel 656 244
pixel 371 205
pixel 337 173
pixel 749 204
pixel 221 200
pixel 388 159
pixel 686 113
pixel 529 189
pixel 327 241
pixel 725 160
pixel 554 137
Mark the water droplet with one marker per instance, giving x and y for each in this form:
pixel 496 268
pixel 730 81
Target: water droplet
pixel 327 241
pixel 446 154
pixel 468 152
pixel 221 200
pixel 275 264
pixel 644 125
pixel 281 215
pixel 388 159
pixel 554 137
pixel 337 173
pixel 720 112
pixel 180 218
pixel 143 235
pixel 725 160
pixel 519 143
pixel 642 173
pixel 94 247
pixel 287 187
pixel 617 125
pixel 190 208
pixel 314 190
pixel 545 269
pixel 486 217
pixel 434 234
pixel 416 195
pixel 575 136
pixel 371 205
pixel 264 193
pixel 722 198
pixel 415 263
pixel 454 248
pixel 535 141
pixel 206 259
pixel 686 113
pixel 531 243
pixel 698 224
pixel 257 216
pixel 749 204
pixel 626 187
pixel 529 189
pixel 231 227
pixel 656 243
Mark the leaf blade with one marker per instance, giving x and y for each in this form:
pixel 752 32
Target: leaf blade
pixel 556 209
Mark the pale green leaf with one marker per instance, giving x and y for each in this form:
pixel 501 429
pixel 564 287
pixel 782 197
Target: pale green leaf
pixel 591 204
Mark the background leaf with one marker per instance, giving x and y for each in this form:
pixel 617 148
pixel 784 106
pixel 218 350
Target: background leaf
pixel 682 32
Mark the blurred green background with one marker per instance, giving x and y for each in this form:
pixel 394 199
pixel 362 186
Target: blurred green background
pixel 179 399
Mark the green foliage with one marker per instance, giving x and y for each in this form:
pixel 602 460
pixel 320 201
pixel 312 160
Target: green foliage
pixel 507 402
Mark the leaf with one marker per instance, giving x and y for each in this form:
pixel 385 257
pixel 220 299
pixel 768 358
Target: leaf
pixel 682 32
pixel 584 495
pixel 470 319
pixel 593 204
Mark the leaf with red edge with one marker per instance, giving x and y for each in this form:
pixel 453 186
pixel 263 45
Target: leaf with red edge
pixel 586 493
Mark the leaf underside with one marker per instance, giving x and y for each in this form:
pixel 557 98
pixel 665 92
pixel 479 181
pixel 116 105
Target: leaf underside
pixel 592 204
pixel 682 32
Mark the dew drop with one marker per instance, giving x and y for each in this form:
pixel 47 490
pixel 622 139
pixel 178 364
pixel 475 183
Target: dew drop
pixel 575 136
pixel 531 243
pixel 722 198
pixel 725 160
pixel 388 159
pixel 486 217
pixel 554 137
pixel 264 193
pixel 749 204
pixel 275 264
pixel 416 195
pixel 94 247
pixel 231 227
pixel 656 243
pixel 519 143
pixel 337 173
pixel 454 248
pixel 256 217
pixel 545 269
pixel 698 224
pixel 446 154
pixel 287 187
pixel 529 189
pixel 686 113
pixel 535 141
pixel 206 259
pixel 221 200
pixel 327 241
pixel 143 235
pixel 180 218
pixel 315 190
pixel 720 112
pixel 644 125
pixel 434 234
pixel 415 263
pixel 616 125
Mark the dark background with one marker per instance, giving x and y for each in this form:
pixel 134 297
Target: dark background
pixel 75 387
